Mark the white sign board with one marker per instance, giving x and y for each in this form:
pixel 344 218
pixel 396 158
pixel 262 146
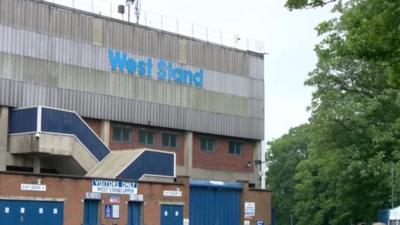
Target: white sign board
pixel 33 187
pixel 92 195
pixel 247 222
pixel 136 198
pixel 115 211
pixel 185 221
pixel 176 193
pixel 249 209
pixel 114 187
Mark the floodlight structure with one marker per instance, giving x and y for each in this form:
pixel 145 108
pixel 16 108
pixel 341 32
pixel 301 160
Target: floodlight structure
pixel 137 9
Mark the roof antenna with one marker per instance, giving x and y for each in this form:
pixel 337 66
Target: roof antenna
pixel 137 9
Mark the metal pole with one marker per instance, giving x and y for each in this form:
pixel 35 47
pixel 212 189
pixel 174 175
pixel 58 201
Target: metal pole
pixel 291 219
pixel 129 13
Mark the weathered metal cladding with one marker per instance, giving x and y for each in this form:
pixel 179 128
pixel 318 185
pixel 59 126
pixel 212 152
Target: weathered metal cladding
pixel 125 86
pixel 129 110
pixel 66 52
pixel 59 21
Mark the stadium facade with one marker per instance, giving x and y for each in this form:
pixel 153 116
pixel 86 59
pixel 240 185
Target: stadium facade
pixel 108 122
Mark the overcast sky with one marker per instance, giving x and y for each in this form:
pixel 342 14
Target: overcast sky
pixel 289 39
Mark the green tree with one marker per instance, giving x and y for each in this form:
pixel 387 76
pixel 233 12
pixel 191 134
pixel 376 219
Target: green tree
pixel 283 156
pixel 355 123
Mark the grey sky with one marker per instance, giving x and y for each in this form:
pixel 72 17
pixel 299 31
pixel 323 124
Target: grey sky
pixel 289 38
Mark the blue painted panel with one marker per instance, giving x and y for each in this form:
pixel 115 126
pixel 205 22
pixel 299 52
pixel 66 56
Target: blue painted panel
pixel 171 215
pixel 383 216
pixel 91 212
pixel 21 212
pixel 149 162
pixel 58 121
pixel 216 184
pixel 23 120
pixel 214 206
pixel 134 213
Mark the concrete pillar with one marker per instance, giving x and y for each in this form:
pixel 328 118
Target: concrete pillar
pixel 3 137
pixel 36 165
pixel 257 166
pixel 105 132
pixel 188 162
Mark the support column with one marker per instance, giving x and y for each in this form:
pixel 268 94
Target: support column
pixel 257 166
pixel 36 165
pixel 188 152
pixel 105 132
pixel 3 137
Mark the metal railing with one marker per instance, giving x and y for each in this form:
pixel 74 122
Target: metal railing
pixel 110 8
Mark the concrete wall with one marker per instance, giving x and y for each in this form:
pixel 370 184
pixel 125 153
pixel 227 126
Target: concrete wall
pixel 59 57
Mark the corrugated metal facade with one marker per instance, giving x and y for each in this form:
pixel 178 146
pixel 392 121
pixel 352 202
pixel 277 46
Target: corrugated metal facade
pixel 210 205
pixel 64 55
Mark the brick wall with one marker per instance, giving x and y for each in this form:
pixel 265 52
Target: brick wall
pixel 95 124
pixel 262 200
pixel 72 190
pixel 221 159
pixel 179 150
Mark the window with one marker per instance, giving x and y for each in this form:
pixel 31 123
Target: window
pixel 122 134
pixel 235 147
pixel 169 140
pixel 147 137
pixel 207 144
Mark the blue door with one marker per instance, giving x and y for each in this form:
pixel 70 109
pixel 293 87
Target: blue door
pixel 23 212
pixel 91 212
pixel 214 206
pixel 171 215
pixel 134 212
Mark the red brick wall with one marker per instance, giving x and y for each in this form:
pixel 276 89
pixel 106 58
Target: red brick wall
pixel 262 200
pixel 95 124
pixel 221 159
pixel 180 153
pixel 72 190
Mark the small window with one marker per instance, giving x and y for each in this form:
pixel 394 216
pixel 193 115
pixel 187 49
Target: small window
pixel 147 137
pixel 207 144
pixel 235 147
pixel 122 134
pixel 169 140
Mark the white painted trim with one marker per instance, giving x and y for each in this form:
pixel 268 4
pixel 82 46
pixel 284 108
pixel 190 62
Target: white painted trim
pixel 171 203
pixel 154 175
pixel 22 133
pixel 27 198
pixel 39 120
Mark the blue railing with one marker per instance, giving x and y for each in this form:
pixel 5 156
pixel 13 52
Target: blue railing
pixel 57 121
pixel 23 120
pixel 150 162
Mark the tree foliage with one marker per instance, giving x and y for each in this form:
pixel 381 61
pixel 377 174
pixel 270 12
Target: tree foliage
pixel 354 131
pixel 283 156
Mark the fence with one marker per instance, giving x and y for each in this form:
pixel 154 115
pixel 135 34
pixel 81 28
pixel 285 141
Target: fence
pixel 110 8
